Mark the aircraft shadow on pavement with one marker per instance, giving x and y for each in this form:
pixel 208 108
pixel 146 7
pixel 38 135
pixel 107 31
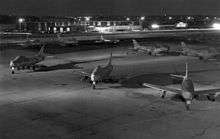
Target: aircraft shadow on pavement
pixel 70 65
pixel 178 97
pixel 162 79
pixel 157 78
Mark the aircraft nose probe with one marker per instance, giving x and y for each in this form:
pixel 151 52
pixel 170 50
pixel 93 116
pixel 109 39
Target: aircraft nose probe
pixel 11 66
pixel 188 103
pixel 93 81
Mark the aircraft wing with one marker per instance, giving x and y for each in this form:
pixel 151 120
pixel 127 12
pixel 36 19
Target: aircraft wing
pixel 83 73
pixel 207 92
pixel 177 76
pixel 81 61
pixel 84 61
pixel 162 88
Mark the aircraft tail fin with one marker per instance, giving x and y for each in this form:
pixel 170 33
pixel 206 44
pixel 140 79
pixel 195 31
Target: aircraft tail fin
pixel 101 37
pixel 110 59
pixel 186 73
pixel 41 52
pixel 181 76
pixel 58 36
pixel 213 50
pixel 135 43
pixel 183 45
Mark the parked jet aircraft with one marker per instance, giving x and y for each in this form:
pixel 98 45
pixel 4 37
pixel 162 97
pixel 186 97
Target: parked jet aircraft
pixel 99 73
pixel 103 40
pixel 151 50
pixel 64 41
pixel 23 62
pixel 29 42
pixel 201 54
pixel 187 92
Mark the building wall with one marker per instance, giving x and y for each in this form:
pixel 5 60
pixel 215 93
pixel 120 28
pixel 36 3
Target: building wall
pixel 113 29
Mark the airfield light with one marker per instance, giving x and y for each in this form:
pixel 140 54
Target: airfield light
pixel 142 18
pixel 155 26
pixel 170 18
pixel 128 19
pixel 216 26
pixel 181 25
pixel 87 18
pixel 189 17
pixel 21 20
pixel 68 29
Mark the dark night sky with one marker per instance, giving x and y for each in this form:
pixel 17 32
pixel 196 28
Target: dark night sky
pixel 108 7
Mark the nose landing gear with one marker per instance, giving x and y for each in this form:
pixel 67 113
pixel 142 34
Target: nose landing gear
pixel 12 70
pixel 163 94
pixel 93 85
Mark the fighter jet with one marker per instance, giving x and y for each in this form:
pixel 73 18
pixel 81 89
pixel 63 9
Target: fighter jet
pixel 151 50
pixel 23 62
pixel 99 73
pixel 64 41
pixel 103 40
pixel 211 53
pixel 187 91
pixel 29 43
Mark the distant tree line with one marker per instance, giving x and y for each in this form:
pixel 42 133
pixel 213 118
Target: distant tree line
pixel 7 19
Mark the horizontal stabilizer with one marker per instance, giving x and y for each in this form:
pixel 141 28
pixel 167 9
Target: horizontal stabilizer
pixel 177 76
pixel 162 88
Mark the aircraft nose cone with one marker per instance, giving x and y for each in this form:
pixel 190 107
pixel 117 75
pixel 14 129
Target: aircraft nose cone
pixel 187 95
pixel 11 64
pixel 188 102
pixel 93 77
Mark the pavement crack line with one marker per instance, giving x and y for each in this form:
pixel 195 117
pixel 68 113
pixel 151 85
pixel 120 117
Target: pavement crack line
pixel 108 119
pixel 203 132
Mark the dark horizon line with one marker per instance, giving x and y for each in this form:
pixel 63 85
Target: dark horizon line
pixel 23 15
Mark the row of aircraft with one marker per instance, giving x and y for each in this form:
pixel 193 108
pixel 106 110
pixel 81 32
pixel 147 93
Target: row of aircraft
pixel 101 73
pixel 103 40
pixel 61 41
pixel 150 50
pixel 210 54
pixel 187 91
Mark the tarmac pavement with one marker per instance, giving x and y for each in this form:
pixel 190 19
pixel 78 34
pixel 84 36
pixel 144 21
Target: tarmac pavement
pixel 56 104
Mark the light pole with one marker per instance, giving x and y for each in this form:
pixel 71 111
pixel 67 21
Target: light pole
pixel 141 20
pixel 87 21
pixel 20 21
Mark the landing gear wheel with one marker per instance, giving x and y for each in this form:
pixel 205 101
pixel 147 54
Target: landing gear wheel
pixel 200 58
pixel 196 96
pixel 93 86
pixel 33 68
pixel 163 94
pixel 188 102
pixel 12 72
pixel 211 97
pixel 187 107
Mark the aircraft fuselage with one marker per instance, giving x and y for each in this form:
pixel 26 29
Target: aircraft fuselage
pixel 100 73
pixel 22 62
pixel 187 90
